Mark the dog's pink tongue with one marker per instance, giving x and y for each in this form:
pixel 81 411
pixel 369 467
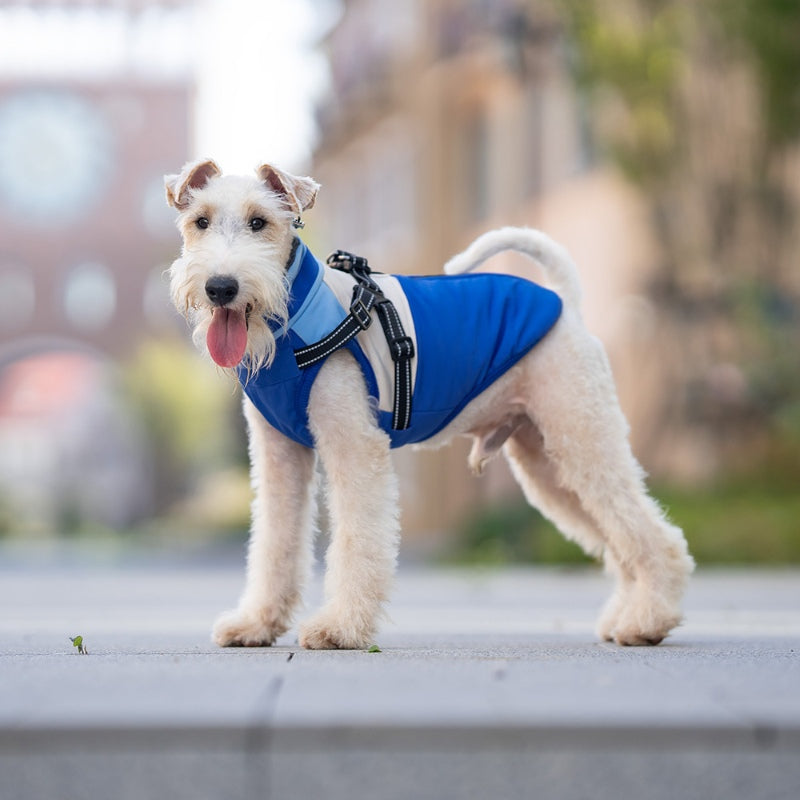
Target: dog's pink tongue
pixel 227 337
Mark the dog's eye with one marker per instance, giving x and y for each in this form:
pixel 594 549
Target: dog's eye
pixel 201 222
pixel 257 223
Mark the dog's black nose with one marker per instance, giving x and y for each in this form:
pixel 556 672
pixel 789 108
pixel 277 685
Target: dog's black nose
pixel 222 289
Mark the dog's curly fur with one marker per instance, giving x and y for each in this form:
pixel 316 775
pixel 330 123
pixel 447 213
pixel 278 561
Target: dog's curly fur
pixel 555 416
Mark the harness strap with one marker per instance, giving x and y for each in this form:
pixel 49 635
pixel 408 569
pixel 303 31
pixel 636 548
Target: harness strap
pixel 367 296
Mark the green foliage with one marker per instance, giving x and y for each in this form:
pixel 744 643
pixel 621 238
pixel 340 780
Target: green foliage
pixel 632 58
pixel 182 399
pixel 190 411
pixel 699 105
pixel 631 64
pixel 769 32
pixel 768 319
pixel 738 522
pixel 750 519
pixel 7 516
pixel 513 533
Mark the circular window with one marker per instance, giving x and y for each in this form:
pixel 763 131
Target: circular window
pixel 56 154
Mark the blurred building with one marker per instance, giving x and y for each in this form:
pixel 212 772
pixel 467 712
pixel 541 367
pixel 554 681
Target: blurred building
pixel 85 231
pixel 448 118
pixel 94 110
pixel 84 146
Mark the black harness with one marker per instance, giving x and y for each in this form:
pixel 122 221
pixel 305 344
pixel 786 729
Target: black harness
pixel 367 296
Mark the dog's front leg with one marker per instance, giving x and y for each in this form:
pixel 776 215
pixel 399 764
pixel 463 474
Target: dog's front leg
pixel 362 502
pixel 279 555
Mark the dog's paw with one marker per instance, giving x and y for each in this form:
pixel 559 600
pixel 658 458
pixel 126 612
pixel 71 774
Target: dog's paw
pixel 608 618
pixel 327 632
pixel 635 627
pixel 246 629
pixel 637 638
pixel 638 614
pixel 631 631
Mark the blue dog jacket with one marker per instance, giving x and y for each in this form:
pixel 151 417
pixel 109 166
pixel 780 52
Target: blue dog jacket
pixel 467 331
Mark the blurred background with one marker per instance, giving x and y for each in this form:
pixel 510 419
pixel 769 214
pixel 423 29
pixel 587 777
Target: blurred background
pixel 658 140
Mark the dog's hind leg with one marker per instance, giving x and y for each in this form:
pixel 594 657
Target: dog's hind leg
pixel 601 497
pixel 279 554
pixel 362 503
pixel 537 476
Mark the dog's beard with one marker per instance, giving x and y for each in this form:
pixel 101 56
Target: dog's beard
pixel 256 352
pixel 261 343
pixel 239 336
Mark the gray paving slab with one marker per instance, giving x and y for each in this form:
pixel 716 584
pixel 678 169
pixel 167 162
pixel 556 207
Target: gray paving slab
pixel 488 684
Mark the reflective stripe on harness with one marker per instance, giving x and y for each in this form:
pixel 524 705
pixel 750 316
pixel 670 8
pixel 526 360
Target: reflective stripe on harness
pixel 367 296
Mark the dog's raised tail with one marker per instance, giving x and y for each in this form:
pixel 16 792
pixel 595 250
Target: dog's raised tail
pixel 551 256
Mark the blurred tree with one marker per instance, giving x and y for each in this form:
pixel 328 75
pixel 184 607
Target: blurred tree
pixel 699 105
pixel 190 413
pixel 770 33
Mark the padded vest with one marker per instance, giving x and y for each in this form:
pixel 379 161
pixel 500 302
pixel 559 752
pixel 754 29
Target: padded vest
pixel 467 331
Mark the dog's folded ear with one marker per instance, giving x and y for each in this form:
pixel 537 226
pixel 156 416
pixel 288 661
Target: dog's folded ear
pixel 195 175
pixel 299 193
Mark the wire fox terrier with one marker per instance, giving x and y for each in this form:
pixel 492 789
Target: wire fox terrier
pixel 503 360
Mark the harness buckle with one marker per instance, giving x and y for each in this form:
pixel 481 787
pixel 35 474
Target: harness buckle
pixel 347 262
pixel 361 313
pixel 401 348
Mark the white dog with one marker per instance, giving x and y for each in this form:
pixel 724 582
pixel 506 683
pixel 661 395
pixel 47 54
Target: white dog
pixel 491 357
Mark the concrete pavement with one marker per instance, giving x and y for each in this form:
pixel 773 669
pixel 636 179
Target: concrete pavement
pixel 489 684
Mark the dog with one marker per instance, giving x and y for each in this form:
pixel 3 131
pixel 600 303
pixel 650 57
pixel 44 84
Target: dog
pixel 258 301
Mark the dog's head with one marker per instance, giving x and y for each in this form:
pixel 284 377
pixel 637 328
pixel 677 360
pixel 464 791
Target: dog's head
pixel 230 280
